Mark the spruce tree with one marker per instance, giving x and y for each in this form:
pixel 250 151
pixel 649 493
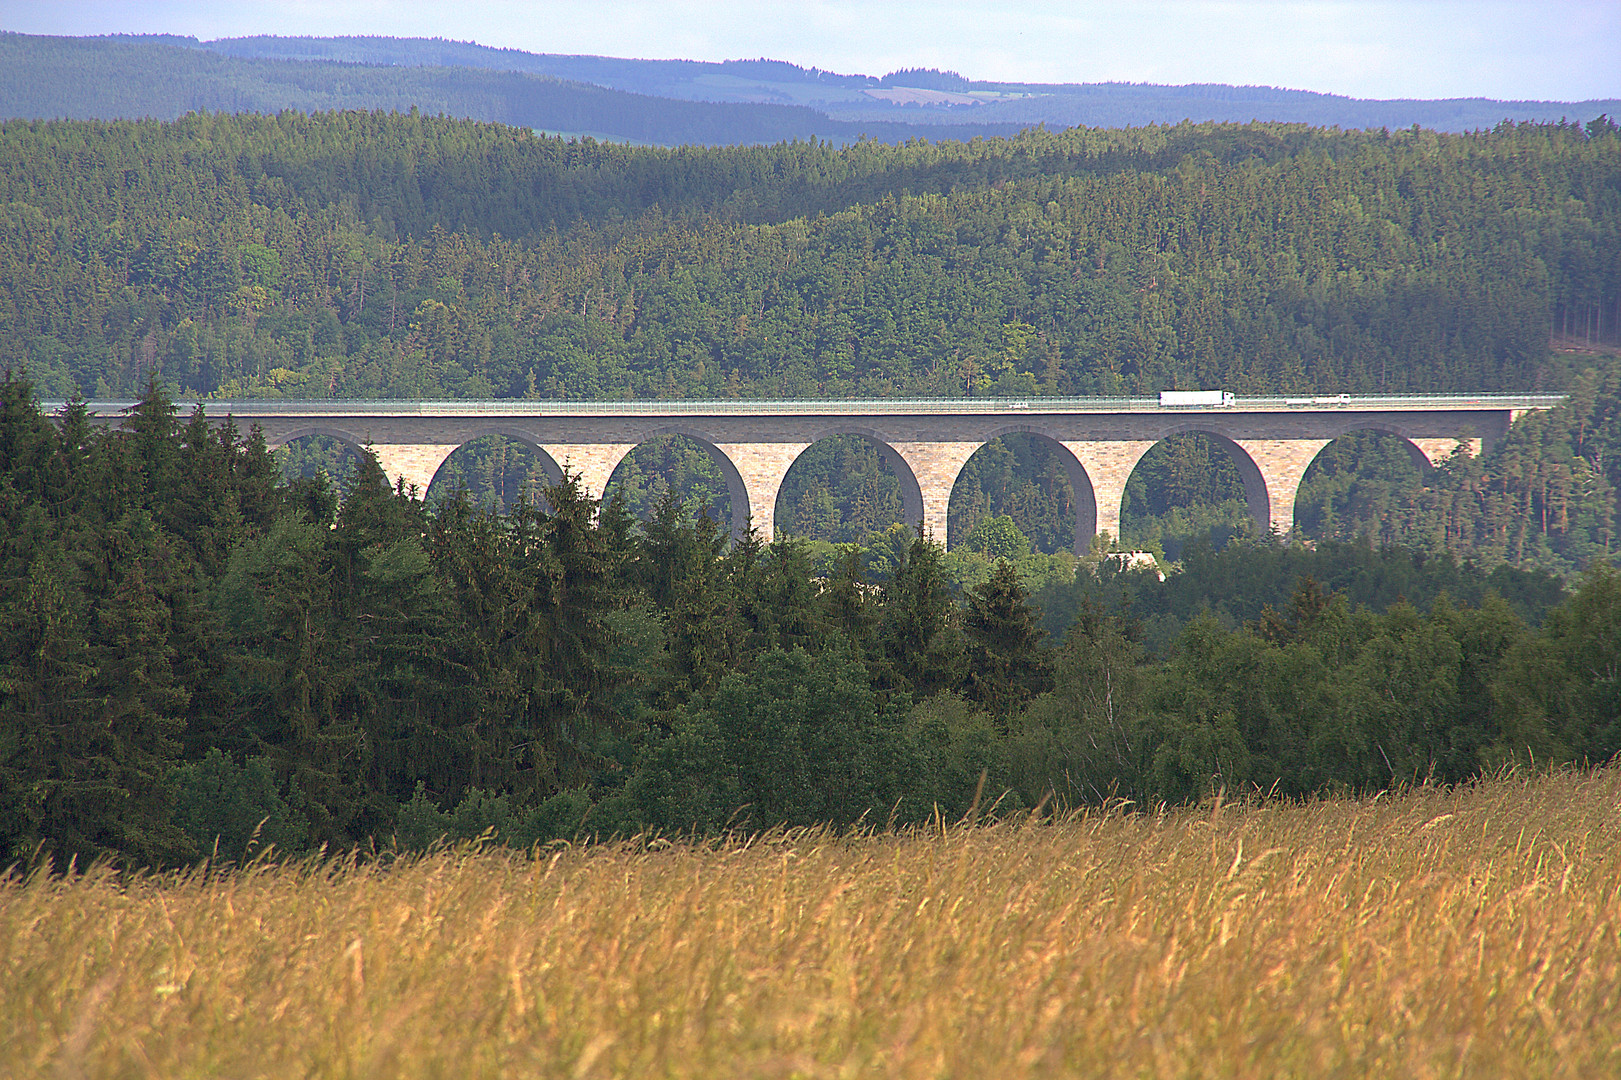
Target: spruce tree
pixel 917 631
pixel 55 789
pixel 846 608
pixel 1007 663
pixel 569 681
pixel 142 703
pixel 775 595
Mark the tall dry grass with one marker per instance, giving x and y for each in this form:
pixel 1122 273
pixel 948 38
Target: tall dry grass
pixel 1466 933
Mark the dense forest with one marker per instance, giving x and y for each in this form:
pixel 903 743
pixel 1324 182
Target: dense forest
pixel 197 657
pixel 366 255
pixel 388 255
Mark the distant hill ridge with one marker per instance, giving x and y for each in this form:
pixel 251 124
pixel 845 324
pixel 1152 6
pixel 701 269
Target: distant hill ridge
pixel 670 101
pixel 118 78
pixel 1108 104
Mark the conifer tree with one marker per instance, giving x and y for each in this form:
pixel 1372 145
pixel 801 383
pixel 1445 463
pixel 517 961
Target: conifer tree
pixel 1007 665
pixel 775 595
pixel 155 450
pixel 847 609
pixel 54 787
pixel 917 629
pixel 569 681
pixel 142 703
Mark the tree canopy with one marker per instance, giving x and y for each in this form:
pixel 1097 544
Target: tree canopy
pixel 199 658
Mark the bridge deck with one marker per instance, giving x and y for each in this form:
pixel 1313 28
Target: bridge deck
pixel 879 407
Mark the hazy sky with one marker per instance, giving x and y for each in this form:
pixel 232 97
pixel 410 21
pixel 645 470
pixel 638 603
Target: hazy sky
pixel 1563 50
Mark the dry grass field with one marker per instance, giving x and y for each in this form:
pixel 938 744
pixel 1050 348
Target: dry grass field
pixel 1463 933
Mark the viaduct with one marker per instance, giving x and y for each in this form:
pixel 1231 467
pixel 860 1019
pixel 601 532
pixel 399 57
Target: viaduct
pixel 926 443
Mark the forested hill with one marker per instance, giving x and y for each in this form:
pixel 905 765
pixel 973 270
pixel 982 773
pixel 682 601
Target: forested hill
pixel 896 96
pixel 889 103
pixel 371 254
pixel 45 77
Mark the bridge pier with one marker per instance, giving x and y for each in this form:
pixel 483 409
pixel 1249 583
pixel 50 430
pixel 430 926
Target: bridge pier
pixel 760 469
pixel 1108 465
pixel 414 464
pixel 1282 464
pixel 594 463
pixel 934 467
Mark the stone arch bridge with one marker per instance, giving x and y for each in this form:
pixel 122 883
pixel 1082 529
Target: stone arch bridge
pixel 927 443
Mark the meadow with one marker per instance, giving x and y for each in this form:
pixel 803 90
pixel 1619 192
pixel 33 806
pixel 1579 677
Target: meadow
pixel 1438 932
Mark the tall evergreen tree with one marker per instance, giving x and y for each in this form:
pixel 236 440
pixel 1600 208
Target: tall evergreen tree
pixel 917 629
pixel 569 688
pixel 1007 662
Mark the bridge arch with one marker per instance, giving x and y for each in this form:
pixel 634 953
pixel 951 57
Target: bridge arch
pixel 343 435
pixel 1420 459
pixel 409 464
pixel 1085 497
pixel 1426 451
pixel 1355 501
pixel 737 491
pixel 554 471
pixel 334 450
pixel 911 491
pixel 1259 495
pixel 526 439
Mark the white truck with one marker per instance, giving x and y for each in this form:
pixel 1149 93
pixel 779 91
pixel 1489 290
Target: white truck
pixel 1218 399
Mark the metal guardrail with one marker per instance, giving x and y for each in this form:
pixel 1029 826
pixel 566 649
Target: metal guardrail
pixel 877 407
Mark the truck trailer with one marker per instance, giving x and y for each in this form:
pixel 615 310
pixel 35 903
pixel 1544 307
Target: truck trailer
pixel 1216 399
